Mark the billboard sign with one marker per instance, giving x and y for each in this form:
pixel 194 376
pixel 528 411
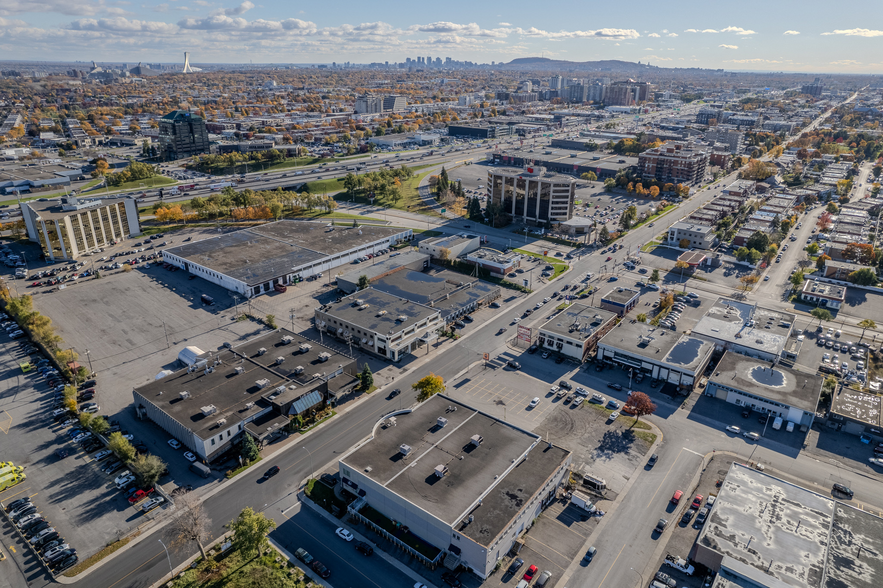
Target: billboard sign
pixel 524 334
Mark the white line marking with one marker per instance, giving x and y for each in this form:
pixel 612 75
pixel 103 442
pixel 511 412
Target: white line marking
pixel 694 452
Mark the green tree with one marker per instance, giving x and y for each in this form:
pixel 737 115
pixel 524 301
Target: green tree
pixel 147 469
pixel 250 530
pixel 742 253
pixel 366 377
pixel 797 279
pixel 654 277
pixel 754 256
pixel 249 449
pixel 121 447
pixel 364 282
pixel 642 318
pixel 276 209
pixel 609 184
pixel 428 386
pixel 812 248
pixel 758 240
pixel 604 234
pixel 822 314
pixel 832 208
pixel 865 325
pixel 85 419
pixel 99 425
pixel 589 176
pixel 863 277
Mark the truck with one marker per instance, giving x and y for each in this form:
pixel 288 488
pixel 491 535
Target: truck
pixel 582 501
pixel 777 424
pixel 173 191
pixel 679 563
pixel 219 186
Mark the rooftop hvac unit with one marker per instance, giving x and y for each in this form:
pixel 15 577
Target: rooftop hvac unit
pixel 279 360
pixel 401 318
pixel 358 302
pixel 324 356
pixel 262 383
pixel 222 422
pixel 364 306
pixel 476 440
pixel 208 370
pixel 184 395
pixel 287 339
pixel 441 422
pixel 281 389
pixel 209 410
pixel 381 313
pixel 239 370
pixel 404 449
pixel 261 351
pixel 299 370
pixel 304 347
pixel 249 405
pixel 441 471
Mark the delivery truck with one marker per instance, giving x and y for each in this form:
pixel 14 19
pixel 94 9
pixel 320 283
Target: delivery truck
pixel 777 424
pixel 582 501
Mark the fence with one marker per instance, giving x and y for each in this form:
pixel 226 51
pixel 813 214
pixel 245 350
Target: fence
pixel 353 510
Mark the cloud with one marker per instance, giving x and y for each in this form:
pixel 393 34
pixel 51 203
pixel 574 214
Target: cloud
pixel 671 35
pixel 729 46
pixel 691 31
pixel 161 8
pixel 855 33
pixel 202 3
pixel 505 24
pixel 657 58
pixel 754 60
pixel 614 34
pixel 237 10
pixel 9 22
pixel 67 7
pixel 846 62
pixel 471 29
pixel 120 24
pixel 791 33
pixel 738 31
pixel 226 23
pixel 654 35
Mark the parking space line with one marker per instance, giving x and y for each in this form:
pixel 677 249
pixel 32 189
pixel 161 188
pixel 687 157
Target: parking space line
pixel 553 550
pixel 693 452
pixel 17 493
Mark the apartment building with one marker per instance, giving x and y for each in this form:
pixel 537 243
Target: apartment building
pixel 678 163
pixel 700 236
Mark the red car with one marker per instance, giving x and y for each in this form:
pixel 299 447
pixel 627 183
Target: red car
pixel 530 573
pixel 608 258
pixel 140 495
pixel 697 501
pixel 676 497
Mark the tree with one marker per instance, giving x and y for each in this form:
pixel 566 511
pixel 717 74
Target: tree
pixel 654 277
pixel 366 377
pixel 797 279
pixel 250 530
pixel 121 447
pixel 682 265
pixel 642 318
pixel 684 243
pixel 654 191
pixel 832 208
pixel 758 240
pixel 590 177
pixel 99 425
pixel 628 217
pixel 428 386
pixel 191 523
pixel 444 253
pixel 639 404
pixel 812 248
pixel 863 277
pixel 742 253
pixel 820 262
pixel 865 325
pixel 609 184
pixel 364 282
pixel 822 314
pixel 147 469
pixel 748 281
pixel 249 449
pixel 860 253
pixel 85 419
pixel 604 234
pixel 276 209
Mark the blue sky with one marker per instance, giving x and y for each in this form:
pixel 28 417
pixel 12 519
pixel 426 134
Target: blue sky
pixel 774 35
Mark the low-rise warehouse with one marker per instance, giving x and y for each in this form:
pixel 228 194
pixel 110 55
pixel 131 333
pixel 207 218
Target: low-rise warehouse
pixel 576 331
pixel 745 328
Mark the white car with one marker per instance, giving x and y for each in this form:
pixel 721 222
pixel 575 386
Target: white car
pixel 174 444
pixel 123 476
pixel 614 415
pixel 344 534
pixel 553 389
pixel 516 320
pixel 102 454
pixel 539 305
pixel 189 456
pixel 152 503
pixel 535 402
pixel 734 429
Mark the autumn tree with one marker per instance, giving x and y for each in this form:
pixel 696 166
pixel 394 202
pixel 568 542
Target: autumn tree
pixel 860 253
pixel 191 523
pixel 748 281
pixel 865 325
pixel 654 191
pixel 684 243
pixel 121 447
pixel 682 265
pixel 428 386
pixel 147 469
pixel 820 262
pixel 639 404
pixel 589 176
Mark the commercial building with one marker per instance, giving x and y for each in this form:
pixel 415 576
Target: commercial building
pixel 656 352
pixel 620 300
pixel 745 328
pixel 395 103
pixel 252 261
pixel 733 139
pixel 369 104
pixel 677 163
pixel 814 89
pixel 496 262
pixel 466 484
pixel 626 93
pixel 776 390
pixel 532 195
pixel 700 236
pixel 823 294
pixel 602 165
pixel 857 413
pixel 252 388
pixel 410 260
pixel 450 246
pixel 576 331
pixel 67 228
pixel 182 134
pixel 764 532
pixel 481 131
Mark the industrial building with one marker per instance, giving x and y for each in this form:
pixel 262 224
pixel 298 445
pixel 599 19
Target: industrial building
pixel 68 227
pixel 450 246
pixel 466 484
pixel 745 328
pixel 253 261
pixel 481 131
pixel 699 235
pixel 255 387
pixel 182 134
pixel 532 195
pixel 764 532
pixel 412 260
pixel 576 331
pixel 676 163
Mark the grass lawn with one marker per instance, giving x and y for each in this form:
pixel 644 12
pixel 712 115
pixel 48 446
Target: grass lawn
pixel 233 570
pixel 658 214
pixel 425 549
pixel 324 496
pixel 148 184
pixel 560 268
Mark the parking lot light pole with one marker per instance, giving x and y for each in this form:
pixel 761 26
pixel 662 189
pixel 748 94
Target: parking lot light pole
pixel 89 357
pixel 311 463
pixel 171 571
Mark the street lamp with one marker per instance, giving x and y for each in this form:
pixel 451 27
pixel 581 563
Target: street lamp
pixel 311 462
pixel 89 357
pixel 171 571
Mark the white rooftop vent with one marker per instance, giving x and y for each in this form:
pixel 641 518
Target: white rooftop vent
pixel 208 370
pixel 364 306
pixel 287 339
pixel 184 395
pixel 261 351
pixel 304 347
pixel 358 302
pixel 404 449
pixel 381 313
pixel 281 389
pixel 401 318
pixel 441 471
pixel 222 422
pixel 299 370
pixel 324 356
pixel 279 360
pixel 262 383
pixel 209 410
pixel 441 422
pixel 476 440
pixel 239 370
pixel 249 405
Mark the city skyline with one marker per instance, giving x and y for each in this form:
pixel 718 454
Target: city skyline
pixel 684 34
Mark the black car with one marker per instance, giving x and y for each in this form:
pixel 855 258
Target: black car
pixel 61 555
pixel 653 459
pixel 271 472
pixel 532 349
pixel 590 554
pixel 614 385
pixel 31 524
pixel 665 579
pixel 513 364
pixel 746 413
pixel 688 516
pixel 364 548
pixel 559 359
pixel 65 564
pixel 328 480
pixel 842 490
pixel 34 528
pixel 320 569
pixel 23 512
pixel 451 580
pixel 565 384
pixel 394 393
pixel 515 565
pixel 46 540
pixel 660 526
pixel 17 503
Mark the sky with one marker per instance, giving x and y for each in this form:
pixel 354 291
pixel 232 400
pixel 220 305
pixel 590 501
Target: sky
pixel 770 35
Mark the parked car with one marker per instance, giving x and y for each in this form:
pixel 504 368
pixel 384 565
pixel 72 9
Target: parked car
pixel 364 548
pixel 344 534
pixel 676 497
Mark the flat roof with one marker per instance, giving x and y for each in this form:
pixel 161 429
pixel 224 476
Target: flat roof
pixel 659 344
pixel 51 209
pixel 494 255
pixel 496 471
pixel 448 241
pixel 779 384
pixel 858 406
pixel 817 288
pixel 583 158
pixel 729 321
pixel 390 264
pixel 621 295
pixel 578 321
pixel 793 535
pixel 370 318
pixel 258 254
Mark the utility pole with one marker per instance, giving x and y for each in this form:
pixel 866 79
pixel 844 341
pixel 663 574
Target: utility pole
pixel 291 315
